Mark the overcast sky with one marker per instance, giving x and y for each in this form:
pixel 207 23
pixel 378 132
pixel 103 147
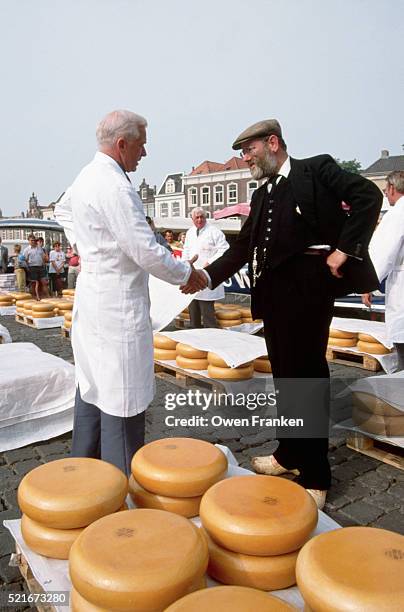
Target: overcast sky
pixel 200 72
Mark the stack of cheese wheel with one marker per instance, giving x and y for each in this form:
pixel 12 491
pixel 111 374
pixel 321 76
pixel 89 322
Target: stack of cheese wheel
pixel 173 473
pixel 230 599
pixel 164 348
pixel 354 568
pixel 5 300
pixel 62 305
pixel 377 416
pixel 255 526
pixel 27 307
pixel 228 317
pixel 190 358
pixel 19 305
pixel 20 295
pixel 219 369
pixel 68 293
pixel 262 364
pixel 60 498
pixel 246 315
pixel 42 311
pixel 342 338
pixel 68 319
pixel 185 314
pixel 141 559
pixel 369 344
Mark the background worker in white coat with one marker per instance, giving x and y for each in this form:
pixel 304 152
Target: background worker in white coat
pixel 112 335
pixel 387 253
pixel 208 243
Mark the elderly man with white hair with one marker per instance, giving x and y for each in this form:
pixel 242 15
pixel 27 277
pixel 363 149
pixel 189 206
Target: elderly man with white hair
pixel 208 243
pixel 112 335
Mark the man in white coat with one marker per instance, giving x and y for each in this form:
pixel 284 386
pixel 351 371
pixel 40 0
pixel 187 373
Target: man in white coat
pixel 208 243
pixel 387 253
pixel 111 334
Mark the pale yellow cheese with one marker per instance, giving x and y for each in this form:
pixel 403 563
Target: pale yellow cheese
pixel 228 313
pixel 165 354
pixel 230 599
pixel 178 467
pixel 240 373
pixel 266 573
pixel 355 568
pixel 68 315
pixel 64 305
pixel 345 342
pixel 191 364
pixel 374 348
pixel 366 338
pixel 163 342
pixel 258 515
pixel 216 360
pixel 40 307
pixel 384 425
pixel 338 333
pixel 374 405
pixel 42 315
pixel 185 506
pixel 262 364
pixel 138 560
pixel 71 493
pixel 230 322
pixel 46 541
pixel 185 350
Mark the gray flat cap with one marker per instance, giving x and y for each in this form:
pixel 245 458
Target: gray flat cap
pixel 262 129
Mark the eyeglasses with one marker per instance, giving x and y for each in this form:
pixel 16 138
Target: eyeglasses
pixel 252 149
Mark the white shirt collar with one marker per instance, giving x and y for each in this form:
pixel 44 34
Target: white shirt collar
pixel 283 171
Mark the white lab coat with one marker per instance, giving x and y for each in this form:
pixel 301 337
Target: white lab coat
pixel 209 245
pixel 387 253
pixel 112 335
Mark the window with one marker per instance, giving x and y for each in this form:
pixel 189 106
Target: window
pixel 170 186
pixel 205 196
pixel 251 187
pixel 193 197
pixel 164 210
pixel 175 209
pixel 232 193
pixel 219 195
pixel 143 193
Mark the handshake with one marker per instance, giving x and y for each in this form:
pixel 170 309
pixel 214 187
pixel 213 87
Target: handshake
pixel 197 280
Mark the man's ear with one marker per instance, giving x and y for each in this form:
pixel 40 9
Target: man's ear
pixel 121 144
pixel 273 143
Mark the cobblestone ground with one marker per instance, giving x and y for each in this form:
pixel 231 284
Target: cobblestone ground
pixel 364 490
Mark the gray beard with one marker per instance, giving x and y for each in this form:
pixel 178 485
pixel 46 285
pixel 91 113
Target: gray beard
pixel 267 166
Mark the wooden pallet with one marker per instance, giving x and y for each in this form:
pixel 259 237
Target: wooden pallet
pixel 356 360
pixel 66 332
pixel 184 378
pixel 373 447
pixel 32 584
pixel 181 323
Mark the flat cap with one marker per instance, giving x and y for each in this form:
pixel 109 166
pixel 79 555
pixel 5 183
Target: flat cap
pixel 262 129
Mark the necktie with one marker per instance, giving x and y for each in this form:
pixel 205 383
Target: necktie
pixel 197 232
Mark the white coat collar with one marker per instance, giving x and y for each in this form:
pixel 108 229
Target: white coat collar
pixel 108 160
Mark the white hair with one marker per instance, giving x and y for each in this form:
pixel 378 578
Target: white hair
pixel 119 124
pixel 198 211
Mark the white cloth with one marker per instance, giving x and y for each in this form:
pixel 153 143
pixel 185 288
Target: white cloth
pixel 5 337
pixel 387 253
pixel 112 335
pixel 59 258
pixel 209 245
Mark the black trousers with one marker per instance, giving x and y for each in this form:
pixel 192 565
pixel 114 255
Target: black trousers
pixel 298 303
pixel 202 310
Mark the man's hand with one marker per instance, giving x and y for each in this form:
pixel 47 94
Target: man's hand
pixel 196 282
pixel 335 261
pixel 367 299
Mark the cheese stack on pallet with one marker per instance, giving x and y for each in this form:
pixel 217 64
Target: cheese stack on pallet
pixel 255 526
pixel 21 304
pixel 185 314
pixel 342 338
pixel 164 348
pixel 60 498
pixel 68 293
pixel 136 560
pixel 5 300
pixel 173 473
pixel 219 369
pixel 376 416
pixel 353 568
pixel 190 358
pixel 230 598
pixel 369 344
pixel 40 310
pixel 228 317
pixel 18 295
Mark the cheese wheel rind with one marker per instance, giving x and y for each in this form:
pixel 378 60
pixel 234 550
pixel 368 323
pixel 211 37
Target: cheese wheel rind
pixel 374 405
pixel 338 333
pixel 346 342
pixel 366 337
pixel 138 560
pixel 186 350
pixel 353 568
pixel 384 425
pixel 374 348
pixel 191 364
pixel 71 493
pixel 178 467
pixel 165 354
pixel 42 315
pixel 262 365
pixel 184 506
pixel 230 322
pixel 240 373
pixel 39 307
pixel 223 314
pixel 230 599
pixel 163 342
pixel 46 541
pixel 276 516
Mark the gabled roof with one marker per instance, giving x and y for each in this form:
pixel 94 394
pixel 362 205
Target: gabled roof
pixel 235 163
pixel 177 178
pixel 208 167
pixel 384 165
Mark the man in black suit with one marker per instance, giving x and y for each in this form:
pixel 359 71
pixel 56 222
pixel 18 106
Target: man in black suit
pixel 303 249
pixel 3 258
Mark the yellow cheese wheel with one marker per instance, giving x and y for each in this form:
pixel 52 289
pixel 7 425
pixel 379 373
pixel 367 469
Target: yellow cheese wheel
pixel 185 506
pixel 185 350
pixel 262 365
pixel 218 305
pixel 68 324
pixel 191 364
pixel 266 573
pixel 230 599
pixel 240 373
pixel 247 320
pixel 165 354
pixel 230 322
pixel 163 342
pixel 68 292
pixel 68 315
pixel 65 305
pixel 258 515
pixel 246 313
pixel 346 342
pixel 46 541
pixel 228 313
pixel 178 467
pixel 354 568
pixel 138 560
pixel 338 333
pixel 366 338
pixel 379 424
pixel 22 295
pixel 185 316
pixel 5 304
pixel 5 298
pixel 374 405
pixel 374 348
pixel 72 492
pixel 40 307
pixel 21 303
pixel 216 360
pixel 42 315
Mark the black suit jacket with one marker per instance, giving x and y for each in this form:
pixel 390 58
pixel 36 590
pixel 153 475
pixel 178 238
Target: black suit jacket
pixel 319 187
